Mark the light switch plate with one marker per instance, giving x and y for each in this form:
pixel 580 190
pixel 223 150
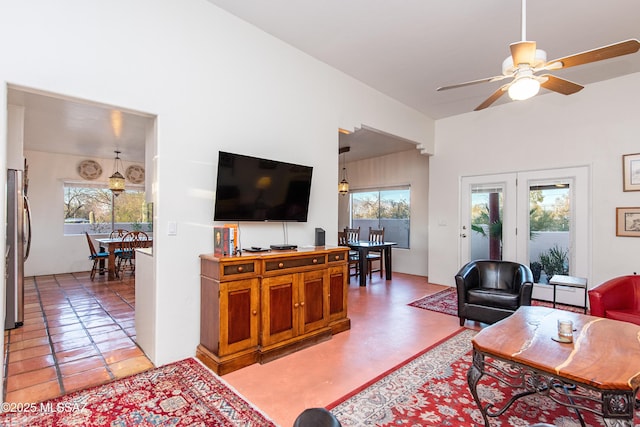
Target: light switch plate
pixel 172 228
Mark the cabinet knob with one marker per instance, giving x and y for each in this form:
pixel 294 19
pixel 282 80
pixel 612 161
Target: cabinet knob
pixel 240 269
pixel 302 304
pixel 254 312
pixel 295 305
pixel 281 265
pixel 315 260
pixel 337 257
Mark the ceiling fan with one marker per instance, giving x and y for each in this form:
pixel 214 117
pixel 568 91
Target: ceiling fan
pixel 526 60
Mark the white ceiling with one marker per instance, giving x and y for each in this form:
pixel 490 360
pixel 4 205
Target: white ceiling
pixel 58 124
pixel 405 49
pixel 408 48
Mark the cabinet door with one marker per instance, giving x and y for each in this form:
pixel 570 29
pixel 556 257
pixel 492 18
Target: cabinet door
pixel 338 293
pixel 279 316
pixel 313 304
pixel 239 305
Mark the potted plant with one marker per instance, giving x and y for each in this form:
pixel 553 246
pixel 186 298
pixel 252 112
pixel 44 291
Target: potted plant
pixel 555 261
pixel 536 269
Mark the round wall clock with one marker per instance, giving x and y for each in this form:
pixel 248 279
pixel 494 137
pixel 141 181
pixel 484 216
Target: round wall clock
pixel 89 169
pixel 135 174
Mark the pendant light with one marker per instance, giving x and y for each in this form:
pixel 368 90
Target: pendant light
pixel 343 186
pixel 116 181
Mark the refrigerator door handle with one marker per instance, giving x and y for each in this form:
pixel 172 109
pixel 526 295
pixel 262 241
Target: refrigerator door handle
pixel 27 209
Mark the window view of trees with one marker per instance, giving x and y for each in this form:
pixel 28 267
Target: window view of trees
pixel 92 205
pixel 550 209
pixel 486 220
pixel 549 223
pixel 549 226
pixel 388 209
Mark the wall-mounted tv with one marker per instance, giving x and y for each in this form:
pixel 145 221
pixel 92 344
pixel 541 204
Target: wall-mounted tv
pixel 254 189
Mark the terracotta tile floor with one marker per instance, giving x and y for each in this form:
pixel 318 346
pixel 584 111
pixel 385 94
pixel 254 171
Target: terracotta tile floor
pixel 76 334
pixel 385 332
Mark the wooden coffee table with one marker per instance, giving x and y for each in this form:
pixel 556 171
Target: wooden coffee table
pixel 603 358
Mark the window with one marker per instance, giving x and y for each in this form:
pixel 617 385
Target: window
pixel 389 209
pixel 89 208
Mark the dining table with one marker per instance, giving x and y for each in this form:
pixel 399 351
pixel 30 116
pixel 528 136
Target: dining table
pixel 363 247
pixel 112 244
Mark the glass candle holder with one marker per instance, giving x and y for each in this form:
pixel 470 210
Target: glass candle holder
pixel 565 330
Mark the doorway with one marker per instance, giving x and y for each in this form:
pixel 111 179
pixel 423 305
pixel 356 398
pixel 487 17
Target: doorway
pixel 537 218
pixel 58 134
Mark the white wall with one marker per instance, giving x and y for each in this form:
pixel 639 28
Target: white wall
pixel 593 127
pixel 404 168
pixel 214 83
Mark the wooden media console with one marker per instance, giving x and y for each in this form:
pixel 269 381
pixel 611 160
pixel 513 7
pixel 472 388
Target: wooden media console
pixel 257 307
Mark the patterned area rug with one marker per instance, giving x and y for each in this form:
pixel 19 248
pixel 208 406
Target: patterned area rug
pixel 183 393
pixel 446 301
pixel 432 390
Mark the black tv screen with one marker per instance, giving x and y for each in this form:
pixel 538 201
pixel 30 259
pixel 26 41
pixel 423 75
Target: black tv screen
pixel 254 189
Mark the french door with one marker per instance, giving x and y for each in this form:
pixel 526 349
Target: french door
pixel 538 218
pixel 488 217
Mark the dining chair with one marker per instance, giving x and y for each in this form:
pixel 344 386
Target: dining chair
pixel 98 258
pixel 119 232
pixel 127 255
pixel 353 234
pixel 354 258
pixel 115 234
pixel 377 236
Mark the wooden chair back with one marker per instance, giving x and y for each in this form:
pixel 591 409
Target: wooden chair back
pixel 342 238
pixel 353 234
pixel 134 239
pixel 120 232
pixel 92 248
pixel 376 235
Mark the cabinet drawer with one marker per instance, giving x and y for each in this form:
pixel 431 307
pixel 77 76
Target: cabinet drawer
pixel 236 269
pixel 337 256
pixel 288 263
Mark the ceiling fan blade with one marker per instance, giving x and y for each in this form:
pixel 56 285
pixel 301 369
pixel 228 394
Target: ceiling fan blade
pixel 559 85
pixel 493 98
pixel 523 53
pixel 473 82
pixel 611 51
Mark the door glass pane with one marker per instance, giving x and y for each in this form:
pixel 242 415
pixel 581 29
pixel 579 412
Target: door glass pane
pixel 549 229
pixel 486 221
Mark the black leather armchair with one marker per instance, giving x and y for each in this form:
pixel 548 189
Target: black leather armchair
pixel 490 290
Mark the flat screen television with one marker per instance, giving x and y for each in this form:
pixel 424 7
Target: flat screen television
pixel 254 189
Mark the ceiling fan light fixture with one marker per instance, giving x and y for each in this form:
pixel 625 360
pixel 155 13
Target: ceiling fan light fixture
pixel 524 88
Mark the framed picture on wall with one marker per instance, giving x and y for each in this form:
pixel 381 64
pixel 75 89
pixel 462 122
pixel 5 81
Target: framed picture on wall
pixel 628 222
pixel 631 172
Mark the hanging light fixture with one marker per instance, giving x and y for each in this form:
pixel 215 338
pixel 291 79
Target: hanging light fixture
pixel 116 181
pixel 343 186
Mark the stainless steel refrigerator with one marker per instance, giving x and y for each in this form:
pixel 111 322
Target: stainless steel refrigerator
pixel 18 246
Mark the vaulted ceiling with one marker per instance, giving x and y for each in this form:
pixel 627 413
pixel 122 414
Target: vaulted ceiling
pixel 406 49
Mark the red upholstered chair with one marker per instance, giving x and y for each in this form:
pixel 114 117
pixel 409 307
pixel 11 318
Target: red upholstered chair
pixel 617 299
